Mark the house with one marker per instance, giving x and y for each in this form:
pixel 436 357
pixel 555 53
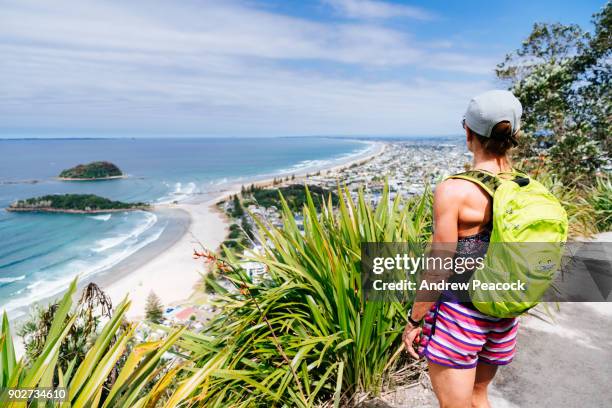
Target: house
pixel 255 270
pixel 185 314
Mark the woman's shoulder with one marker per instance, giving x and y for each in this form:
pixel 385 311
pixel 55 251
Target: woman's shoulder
pixel 457 190
pixel 455 187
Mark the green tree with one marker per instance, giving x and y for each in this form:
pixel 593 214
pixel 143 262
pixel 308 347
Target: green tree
pixel 238 210
pixel 94 170
pixel 295 195
pixel 93 306
pixel 154 310
pixel 247 228
pixel 561 74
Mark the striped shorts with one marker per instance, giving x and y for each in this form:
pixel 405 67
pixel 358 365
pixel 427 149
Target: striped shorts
pixel 460 337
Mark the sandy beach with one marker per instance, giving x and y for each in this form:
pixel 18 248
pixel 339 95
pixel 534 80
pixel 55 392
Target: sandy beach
pixel 169 272
pixel 166 266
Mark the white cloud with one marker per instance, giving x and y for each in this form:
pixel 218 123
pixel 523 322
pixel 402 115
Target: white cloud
pixel 221 68
pixel 220 28
pixel 373 9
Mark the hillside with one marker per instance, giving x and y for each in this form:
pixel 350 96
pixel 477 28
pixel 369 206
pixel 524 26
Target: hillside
pixel 98 170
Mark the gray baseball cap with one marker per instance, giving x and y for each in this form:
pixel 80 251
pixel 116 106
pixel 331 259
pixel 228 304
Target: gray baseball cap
pixel 489 108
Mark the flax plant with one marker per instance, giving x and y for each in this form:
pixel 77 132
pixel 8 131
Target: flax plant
pixel 304 336
pixel 142 366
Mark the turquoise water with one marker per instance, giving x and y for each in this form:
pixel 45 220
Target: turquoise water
pixel 40 253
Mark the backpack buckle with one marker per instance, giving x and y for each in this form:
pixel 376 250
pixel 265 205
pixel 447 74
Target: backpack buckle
pixel 521 181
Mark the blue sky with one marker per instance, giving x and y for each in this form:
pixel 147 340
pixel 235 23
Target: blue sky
pixel 255 67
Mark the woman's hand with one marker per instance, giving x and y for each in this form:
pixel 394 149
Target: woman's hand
pixel 412 334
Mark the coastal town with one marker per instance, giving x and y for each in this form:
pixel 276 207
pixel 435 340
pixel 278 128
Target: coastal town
pixel 406 166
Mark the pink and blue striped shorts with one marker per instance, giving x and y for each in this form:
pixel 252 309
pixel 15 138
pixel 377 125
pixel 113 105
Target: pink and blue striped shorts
pixel 460 337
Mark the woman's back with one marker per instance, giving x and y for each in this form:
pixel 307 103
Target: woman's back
pixel 474 211
pixel 461 208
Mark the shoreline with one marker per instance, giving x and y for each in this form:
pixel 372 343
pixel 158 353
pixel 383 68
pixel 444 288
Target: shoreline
pixel 66 211
pixel 267 180
pixel 91 179
pixel 173 274
pixel 166 266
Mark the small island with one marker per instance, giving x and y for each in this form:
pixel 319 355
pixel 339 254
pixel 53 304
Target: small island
pixel 99 170
pixel 74 204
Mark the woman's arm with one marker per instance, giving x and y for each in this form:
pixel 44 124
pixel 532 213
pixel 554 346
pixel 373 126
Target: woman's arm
pixel 447 200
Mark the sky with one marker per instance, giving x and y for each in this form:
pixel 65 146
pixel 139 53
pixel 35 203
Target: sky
pixel 254 67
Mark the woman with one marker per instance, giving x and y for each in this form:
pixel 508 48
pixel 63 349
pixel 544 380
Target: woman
pixel 463 346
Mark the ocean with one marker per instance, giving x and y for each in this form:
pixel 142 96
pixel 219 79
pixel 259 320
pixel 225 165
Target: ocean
pixel 40 253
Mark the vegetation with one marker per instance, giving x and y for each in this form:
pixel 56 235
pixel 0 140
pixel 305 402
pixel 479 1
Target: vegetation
pixel 561 74
pixel 294 195
pixel 235 233
pixel 139 366
pixel 241 235
pixel 600 199
pixel 73 203
pixel 92 171
pixel 237 211
pixel 247 229
pixel 231 243
pixel 93 306
pixel 154 311
pixel 305 336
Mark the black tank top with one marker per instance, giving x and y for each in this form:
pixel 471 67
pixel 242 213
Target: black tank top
pixel 472 246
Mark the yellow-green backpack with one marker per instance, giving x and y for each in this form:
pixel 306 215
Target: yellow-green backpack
pixel 526 245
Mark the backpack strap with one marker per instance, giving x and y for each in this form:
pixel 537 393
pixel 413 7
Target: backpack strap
pixel 488 181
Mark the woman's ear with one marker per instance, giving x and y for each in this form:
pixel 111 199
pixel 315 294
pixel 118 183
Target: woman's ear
pixel 469 138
